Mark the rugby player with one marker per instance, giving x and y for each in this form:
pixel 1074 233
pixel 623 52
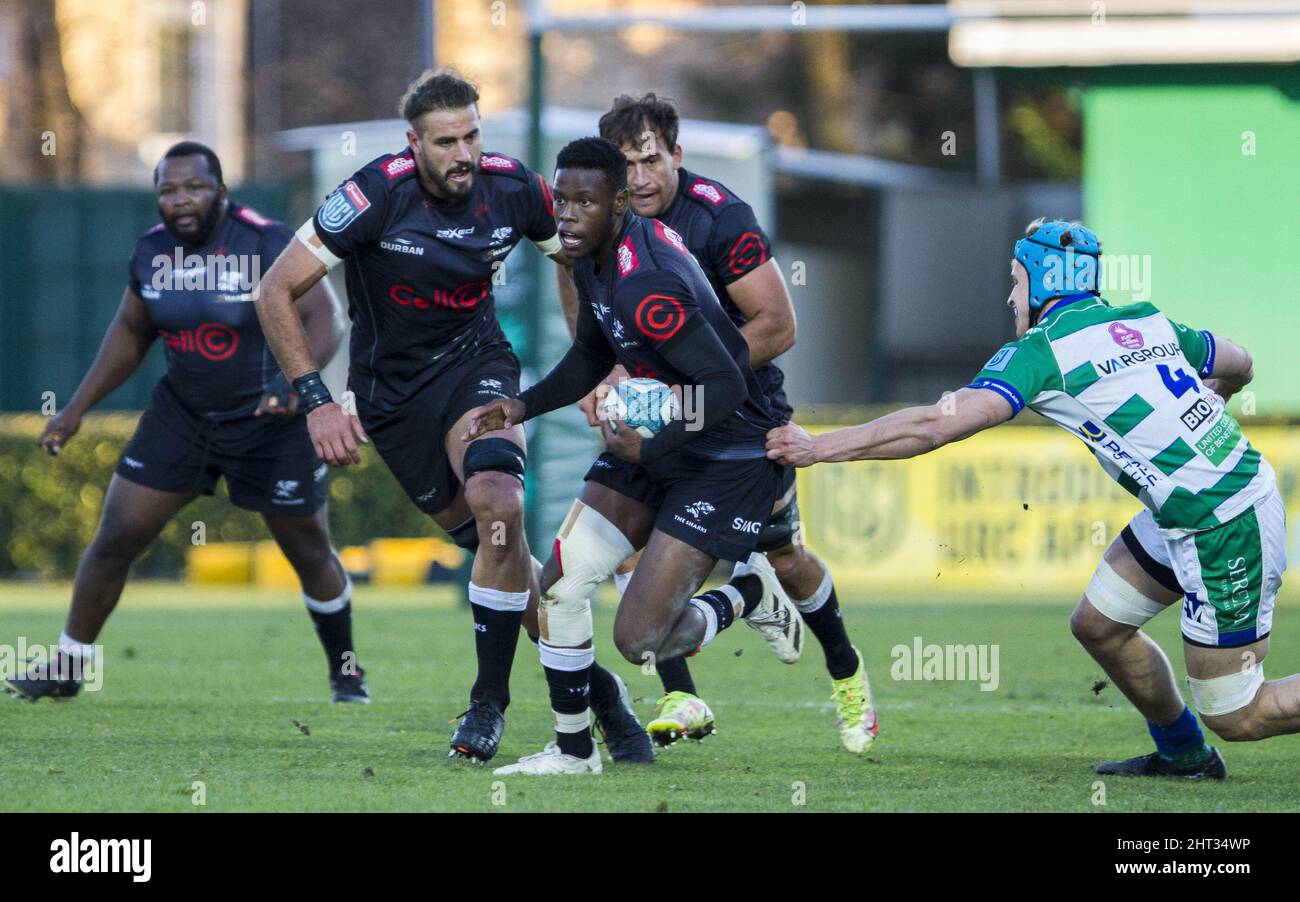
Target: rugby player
pixel 1147 396
pixel 422 232
pixel 721 231
pixel 222 409
pixel 702 487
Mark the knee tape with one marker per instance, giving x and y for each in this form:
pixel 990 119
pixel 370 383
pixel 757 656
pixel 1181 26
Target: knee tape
pixel 779 529
pixel 1111 594
pixel 1225 694
pixel 498 454
pixel 588 549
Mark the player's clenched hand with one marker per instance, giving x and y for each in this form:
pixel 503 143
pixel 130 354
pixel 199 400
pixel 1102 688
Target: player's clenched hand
pixel 792 446
pixel 590 404
pixel 61 427
pixel 622 440
pixel 1221 388
pixel 499 414
pixel 335 433
pixel 277 404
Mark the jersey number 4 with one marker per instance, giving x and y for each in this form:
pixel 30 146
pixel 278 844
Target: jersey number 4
pixel 1178 382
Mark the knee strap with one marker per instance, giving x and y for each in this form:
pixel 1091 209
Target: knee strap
pixel 588 549
pixel 1111 594
pixel 1225 694
pixel 499 454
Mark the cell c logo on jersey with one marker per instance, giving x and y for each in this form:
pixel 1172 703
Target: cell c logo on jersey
pixel 659 316
pixel 748 252
pixel 1126 337
pixel 216 341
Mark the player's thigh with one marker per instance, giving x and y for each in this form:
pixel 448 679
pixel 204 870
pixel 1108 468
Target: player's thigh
pixel 134 515
pixel 668 575
pixel 1132 583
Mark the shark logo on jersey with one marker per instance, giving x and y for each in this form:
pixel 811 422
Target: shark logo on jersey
pixel 616 329
pixel 998 362
pixel 320 472
pixel 503 233
pixel 284 492
pixel 490 383
pixel 601 310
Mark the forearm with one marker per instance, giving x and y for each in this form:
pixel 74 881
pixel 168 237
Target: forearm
pixel 581 370
pixel 119 356
pixel 896 436
pixel 325 329
pixel 284 332
pixel 767 338
pixel 724 392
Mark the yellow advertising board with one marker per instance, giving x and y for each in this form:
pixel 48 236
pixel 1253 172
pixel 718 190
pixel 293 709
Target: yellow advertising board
pixel 1016 512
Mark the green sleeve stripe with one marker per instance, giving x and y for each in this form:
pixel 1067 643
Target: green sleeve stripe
pixel 1184 509
pixel 1079 378
pixel 1129 414
pixel 1173 457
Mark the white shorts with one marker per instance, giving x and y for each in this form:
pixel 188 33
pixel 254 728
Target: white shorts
pixel 1229 575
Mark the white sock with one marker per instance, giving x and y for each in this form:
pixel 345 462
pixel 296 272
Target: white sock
pixel 74 649
pixel 710 620
pixel 817 599
pixel 333 605
pixel 496 599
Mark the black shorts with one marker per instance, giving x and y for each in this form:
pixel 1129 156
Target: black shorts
pixel 413 439
pixel 716 506
pixel 269 462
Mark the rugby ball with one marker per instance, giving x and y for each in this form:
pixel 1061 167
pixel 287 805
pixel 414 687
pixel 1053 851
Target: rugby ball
pixel 647 405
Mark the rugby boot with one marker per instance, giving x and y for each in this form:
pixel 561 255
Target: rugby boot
pixel 550 762
pixel 1153 765
pixel 626 740
pixel 349 688
pixel 775 616
pixel 855 712
pixel 681 715
pixel 479 733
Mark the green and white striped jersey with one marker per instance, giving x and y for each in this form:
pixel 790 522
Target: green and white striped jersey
pixel 1127 381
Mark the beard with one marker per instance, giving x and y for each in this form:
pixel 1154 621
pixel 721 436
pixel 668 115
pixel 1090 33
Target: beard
pixel 203 230
pixel 450 189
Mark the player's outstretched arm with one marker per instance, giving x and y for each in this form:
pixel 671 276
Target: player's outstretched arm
pixel 761 295
pixel 125 343
pixel 904 433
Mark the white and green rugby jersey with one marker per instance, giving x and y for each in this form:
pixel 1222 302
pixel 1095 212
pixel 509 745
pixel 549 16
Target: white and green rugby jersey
pixel 1128 382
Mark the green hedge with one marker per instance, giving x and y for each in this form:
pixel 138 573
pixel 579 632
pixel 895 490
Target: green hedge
pixel 50 506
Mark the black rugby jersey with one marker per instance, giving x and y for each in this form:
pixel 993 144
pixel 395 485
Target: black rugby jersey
pixel 419 268
pixel 201 301
pixel 722 233
pixel 649 288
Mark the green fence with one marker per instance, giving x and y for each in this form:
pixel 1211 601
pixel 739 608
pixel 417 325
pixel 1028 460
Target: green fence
pixel 63 266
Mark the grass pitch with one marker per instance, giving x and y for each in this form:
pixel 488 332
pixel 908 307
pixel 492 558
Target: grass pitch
pixel 226 688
